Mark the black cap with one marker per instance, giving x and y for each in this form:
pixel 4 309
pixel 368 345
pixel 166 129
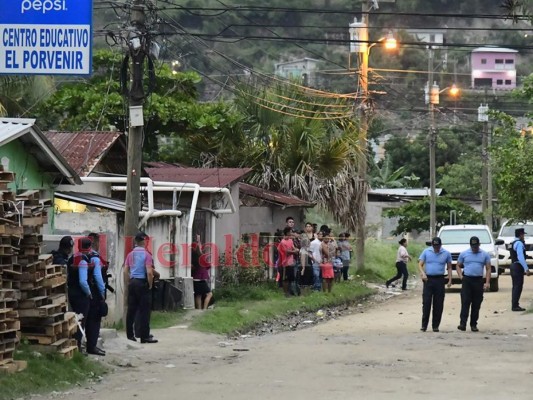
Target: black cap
pixel 140 236
pixel 474 241
pixel 66 242
pixel 519 231
pixel 436 241
pixel 84 243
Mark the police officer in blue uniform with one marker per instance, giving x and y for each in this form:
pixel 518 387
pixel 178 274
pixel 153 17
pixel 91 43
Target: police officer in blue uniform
pixel 139 271
pixel 79 291
pixel 98 294
pixel 470 266
pixel 433 264
pixel 518 268
pixel 62 254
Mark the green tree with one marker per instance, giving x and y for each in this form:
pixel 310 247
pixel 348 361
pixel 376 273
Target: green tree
pixel 19 95
pixel 415 216
pixel 171 110
pixel 291 144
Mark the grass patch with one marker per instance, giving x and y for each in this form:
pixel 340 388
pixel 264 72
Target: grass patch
pixel 46 373
pixel 166 319
pixel 254 304
pixel 380 259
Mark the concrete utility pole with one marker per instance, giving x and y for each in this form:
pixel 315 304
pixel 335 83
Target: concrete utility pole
pixel 138 48
pixel 360 234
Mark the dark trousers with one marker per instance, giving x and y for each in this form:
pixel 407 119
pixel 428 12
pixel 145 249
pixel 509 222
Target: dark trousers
pixel 345 268
pixel 401 269
pixel 433 293
pixel 139 301
pixel 79 303
pixel 471 299
pixel 517 276
pixel 93 323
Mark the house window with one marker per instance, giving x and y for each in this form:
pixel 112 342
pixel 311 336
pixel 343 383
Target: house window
pixel 499 82
pixel 499 63
pixel 508 82
pixel 509 61
pixel 483 61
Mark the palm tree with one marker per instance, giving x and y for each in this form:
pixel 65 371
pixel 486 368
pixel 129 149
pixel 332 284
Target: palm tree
pixel 296 142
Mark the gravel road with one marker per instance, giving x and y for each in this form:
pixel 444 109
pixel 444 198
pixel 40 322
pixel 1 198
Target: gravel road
pixel 374 351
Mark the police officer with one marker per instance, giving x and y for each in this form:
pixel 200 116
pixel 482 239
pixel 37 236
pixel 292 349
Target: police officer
pixel 79 292
pixel 97 286
pixel 473 261
pixel 433 263
pixel 138 269
pixel 62 254
pixel 518 267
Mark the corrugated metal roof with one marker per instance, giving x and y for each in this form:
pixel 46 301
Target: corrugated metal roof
pixel 49 158
pixel 93 200
pixel 273 197
pixel 206 177
pixel 83 150
pixel 493 50
pixel 404 192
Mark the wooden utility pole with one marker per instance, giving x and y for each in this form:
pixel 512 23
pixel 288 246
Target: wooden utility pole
pixel 360 234
pixel 138 48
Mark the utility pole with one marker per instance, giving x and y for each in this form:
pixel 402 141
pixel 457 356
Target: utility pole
pixel 360 234
pixel 137 48
pixel 364 49
pixel 432 143
pixel 486 175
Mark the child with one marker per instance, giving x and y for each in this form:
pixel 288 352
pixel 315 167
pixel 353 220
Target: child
pixel 337 266
pixel 326 267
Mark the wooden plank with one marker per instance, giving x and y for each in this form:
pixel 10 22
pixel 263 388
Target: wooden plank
pixel 9 294
pixel 54 282
pixel 43 311
pixel 33 302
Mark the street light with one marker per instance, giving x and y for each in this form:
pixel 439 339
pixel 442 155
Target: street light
pixel 432 99
pixel 359 44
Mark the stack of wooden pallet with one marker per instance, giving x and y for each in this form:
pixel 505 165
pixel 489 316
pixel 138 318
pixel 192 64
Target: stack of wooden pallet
pixel 43 315
pixel 10 273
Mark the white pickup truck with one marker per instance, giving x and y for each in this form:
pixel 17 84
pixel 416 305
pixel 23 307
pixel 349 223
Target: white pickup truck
pixel 456 238
pixel 507 235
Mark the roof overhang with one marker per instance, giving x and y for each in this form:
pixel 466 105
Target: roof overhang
pixel 29 134
pixel 93 200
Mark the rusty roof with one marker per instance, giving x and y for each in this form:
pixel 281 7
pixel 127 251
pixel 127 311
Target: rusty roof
pixel 206 177
pixel 273 197
pixel 83 150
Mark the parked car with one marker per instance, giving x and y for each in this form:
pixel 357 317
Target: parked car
pixel 507 235
pixel 456 238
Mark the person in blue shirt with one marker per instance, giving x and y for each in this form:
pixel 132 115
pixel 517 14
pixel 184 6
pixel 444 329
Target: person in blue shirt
pixel 98 294
pixel 433 264
pixel 470 266
pixel 518 268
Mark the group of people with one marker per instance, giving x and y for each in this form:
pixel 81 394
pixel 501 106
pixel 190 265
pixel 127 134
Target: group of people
pixel 86 286
pixel 312 257
pixel 474 270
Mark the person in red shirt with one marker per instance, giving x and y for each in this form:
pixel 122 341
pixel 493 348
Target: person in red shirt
pixel 288 253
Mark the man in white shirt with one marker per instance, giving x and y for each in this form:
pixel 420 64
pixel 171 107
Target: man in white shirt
pixel 316 258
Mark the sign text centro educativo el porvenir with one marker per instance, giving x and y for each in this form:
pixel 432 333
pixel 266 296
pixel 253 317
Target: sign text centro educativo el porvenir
pixel 46 37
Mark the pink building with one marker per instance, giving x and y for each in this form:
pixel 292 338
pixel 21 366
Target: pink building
pixel 494 67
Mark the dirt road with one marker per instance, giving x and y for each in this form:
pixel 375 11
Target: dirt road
pixel 377 352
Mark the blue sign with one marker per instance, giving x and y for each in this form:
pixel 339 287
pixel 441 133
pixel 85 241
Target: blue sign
pixel 45 37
